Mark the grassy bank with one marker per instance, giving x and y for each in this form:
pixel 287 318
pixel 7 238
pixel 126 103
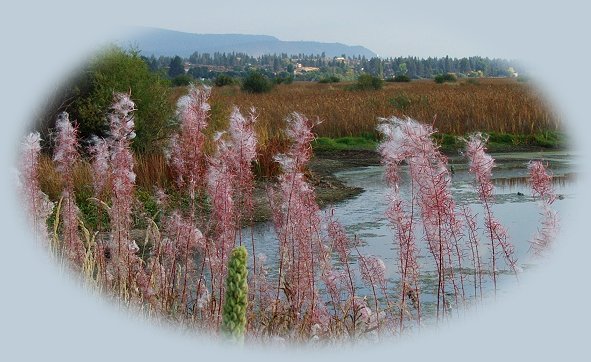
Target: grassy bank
pixel 498 142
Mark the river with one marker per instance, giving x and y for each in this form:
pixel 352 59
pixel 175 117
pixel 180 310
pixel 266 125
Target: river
pixel 364 216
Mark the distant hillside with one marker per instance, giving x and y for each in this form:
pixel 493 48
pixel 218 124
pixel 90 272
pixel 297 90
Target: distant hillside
pixel 157 42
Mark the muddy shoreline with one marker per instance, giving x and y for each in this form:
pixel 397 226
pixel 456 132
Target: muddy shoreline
pixel 321 169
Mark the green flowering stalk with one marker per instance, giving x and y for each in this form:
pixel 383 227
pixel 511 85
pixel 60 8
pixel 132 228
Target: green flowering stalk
pixel 234 313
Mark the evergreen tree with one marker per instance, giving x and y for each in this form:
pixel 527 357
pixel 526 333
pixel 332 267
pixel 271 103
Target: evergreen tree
pixel 176 67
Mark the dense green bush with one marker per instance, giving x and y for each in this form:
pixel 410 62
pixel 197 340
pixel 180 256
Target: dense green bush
pixel 283 77
pixel 89 95
pixel 400 79
pixel 182 80
pixel 330 79
pixel 223 79
pixel 444 78
pixel 401 101
pixel 368 82
pixel 256 82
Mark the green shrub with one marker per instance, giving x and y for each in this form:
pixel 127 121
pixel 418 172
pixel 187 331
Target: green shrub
pixel 446 140
pixel 89 95
pixel 548 139
pixel 401 78
pixel 505 138
pixel 363 142
pixel 444 78
pixel 368 82
pixel 182 80
pixel 256 82
pixel 223 80
pixel 283 77
pixel 330 79
pixel 401 101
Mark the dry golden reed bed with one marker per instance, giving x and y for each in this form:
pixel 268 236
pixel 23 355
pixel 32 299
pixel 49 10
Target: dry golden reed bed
pixel 490 105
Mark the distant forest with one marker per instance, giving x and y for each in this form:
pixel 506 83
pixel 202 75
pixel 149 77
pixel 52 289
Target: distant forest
pixel 314 67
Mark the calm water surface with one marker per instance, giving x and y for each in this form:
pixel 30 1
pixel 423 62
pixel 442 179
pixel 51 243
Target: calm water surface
pixel 363 216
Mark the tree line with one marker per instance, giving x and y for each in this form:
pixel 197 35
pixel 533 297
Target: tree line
pixel 208 66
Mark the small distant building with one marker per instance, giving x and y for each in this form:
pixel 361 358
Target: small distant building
pixel 301 69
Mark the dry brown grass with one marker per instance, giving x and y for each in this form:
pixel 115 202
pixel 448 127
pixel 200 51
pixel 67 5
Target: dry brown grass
pixel 492 105
pixel 151 170
pixel 52 183
pixel 500 105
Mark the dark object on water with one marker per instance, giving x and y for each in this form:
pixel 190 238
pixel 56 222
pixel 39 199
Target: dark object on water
pixel 561 197
pixel 520 193
pixel 451 169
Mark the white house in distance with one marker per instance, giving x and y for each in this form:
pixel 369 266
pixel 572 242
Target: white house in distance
pixel 299 69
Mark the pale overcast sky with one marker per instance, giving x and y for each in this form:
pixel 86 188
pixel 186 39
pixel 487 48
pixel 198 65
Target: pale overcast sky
pixel 390 28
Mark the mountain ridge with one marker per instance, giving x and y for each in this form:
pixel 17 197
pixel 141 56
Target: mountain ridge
pixel 157 42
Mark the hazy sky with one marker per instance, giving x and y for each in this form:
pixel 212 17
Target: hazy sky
pixel 390 28
pixel 386 28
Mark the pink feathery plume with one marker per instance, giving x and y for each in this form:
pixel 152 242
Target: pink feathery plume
pixel 99 151
pixel 373 274
pixel 177 254
pixel 263 290
pixel 123 183
pixel 296 218
pixel 401 220
pixel 335 282
pixel 221 180
pixel 474 243
pixel 338 279
pixel 342 244
pixel 185 154
pixel 39 208
pixel 65 156
pixel 373 271
pixel 481 165
pixel 410 141
pixel 230 183
pixel 243 142
pixel 540 180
